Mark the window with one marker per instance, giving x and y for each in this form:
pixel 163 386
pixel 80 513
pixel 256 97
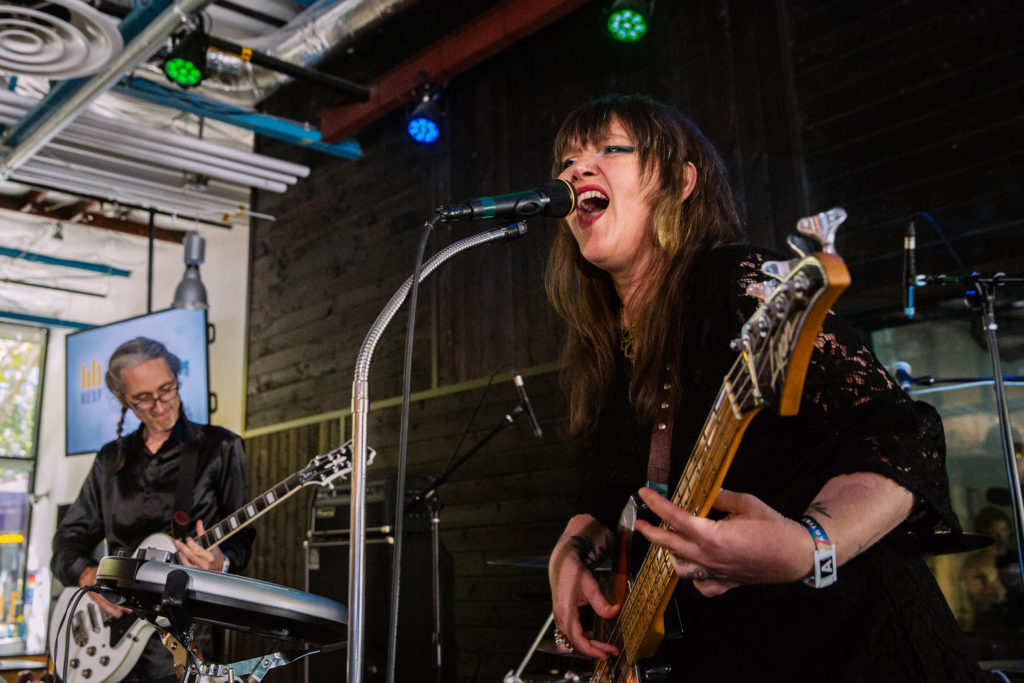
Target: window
pixel 22 356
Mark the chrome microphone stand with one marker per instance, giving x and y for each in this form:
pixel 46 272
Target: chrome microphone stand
pixel 360 410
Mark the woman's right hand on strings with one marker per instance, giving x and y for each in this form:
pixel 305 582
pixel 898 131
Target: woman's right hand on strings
pixel 573 584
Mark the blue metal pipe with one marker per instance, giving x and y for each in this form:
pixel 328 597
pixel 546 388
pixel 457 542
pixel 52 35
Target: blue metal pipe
pixel 66 263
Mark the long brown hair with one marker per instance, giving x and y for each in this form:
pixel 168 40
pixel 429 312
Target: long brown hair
pixel 682 228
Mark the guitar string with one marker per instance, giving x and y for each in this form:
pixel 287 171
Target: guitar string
pixel 662 568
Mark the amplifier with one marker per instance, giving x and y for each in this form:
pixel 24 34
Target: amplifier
pixel 331 514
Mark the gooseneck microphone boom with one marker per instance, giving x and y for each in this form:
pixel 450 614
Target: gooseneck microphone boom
pixel 555 198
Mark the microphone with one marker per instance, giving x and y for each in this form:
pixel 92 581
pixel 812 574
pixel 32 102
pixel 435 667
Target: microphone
pixel 901 369
pixel 555 198
pixel 521 388
pixel 909 271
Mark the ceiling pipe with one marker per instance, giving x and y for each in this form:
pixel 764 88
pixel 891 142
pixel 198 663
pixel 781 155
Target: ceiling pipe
pixel 483 37
pixel 19 103
pixel 138 50
pixel 105 146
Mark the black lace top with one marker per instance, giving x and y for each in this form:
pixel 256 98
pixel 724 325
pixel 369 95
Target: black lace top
pixel 885 618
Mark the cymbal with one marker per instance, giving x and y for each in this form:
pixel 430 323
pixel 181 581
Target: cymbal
pixel 534 562
pixel 947 544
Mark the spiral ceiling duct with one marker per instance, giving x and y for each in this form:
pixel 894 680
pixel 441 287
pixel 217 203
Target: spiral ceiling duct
pixel 69 40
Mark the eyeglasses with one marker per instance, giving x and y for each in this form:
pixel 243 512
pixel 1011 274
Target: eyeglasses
pixel 164 397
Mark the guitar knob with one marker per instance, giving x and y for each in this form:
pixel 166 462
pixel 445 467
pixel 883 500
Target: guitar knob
pixel 91 650
pixel 74 663
pixel 104 660
pixel 86 673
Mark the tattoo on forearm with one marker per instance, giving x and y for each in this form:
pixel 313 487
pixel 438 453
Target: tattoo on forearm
pixel 590 554
pixel 819 508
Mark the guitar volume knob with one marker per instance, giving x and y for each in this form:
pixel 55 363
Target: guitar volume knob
pixel 104 660
pixel 91 650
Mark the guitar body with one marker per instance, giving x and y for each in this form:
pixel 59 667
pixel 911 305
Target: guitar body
pixel 101 648
pixel 632 548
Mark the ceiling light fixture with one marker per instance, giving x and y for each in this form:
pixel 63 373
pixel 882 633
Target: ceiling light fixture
pixel 191 293
pixel 186 62
pixel 628 19
pixel 425 121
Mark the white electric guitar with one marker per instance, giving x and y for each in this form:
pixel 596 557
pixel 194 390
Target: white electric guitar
pixel 103 648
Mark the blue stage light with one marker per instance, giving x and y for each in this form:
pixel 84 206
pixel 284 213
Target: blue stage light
pixel 424 122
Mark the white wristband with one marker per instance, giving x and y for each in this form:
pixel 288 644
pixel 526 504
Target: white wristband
pixel 825 563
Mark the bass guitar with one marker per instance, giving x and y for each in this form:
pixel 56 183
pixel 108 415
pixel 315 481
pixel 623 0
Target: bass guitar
pixel 774 348
pixel 103 648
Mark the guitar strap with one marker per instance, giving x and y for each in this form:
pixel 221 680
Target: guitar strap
pixel 658 461
pixel 660 455
pixel 181 518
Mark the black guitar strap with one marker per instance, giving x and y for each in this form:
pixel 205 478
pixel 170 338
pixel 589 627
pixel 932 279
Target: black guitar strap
pixel 181 518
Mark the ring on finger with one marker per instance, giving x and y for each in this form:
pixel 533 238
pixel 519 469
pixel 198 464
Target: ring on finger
pixel 562 640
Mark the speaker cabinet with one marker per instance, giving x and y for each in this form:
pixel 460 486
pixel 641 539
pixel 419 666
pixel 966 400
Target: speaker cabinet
pixel 327 557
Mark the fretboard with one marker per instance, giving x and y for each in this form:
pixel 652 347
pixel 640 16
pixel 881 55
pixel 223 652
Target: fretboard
pixel 701 480
pixel 250 511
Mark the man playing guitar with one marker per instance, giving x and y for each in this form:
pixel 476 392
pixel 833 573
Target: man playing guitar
pixel 170 474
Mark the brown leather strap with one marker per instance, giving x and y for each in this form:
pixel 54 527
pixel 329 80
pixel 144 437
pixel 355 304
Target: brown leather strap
pixel 661 440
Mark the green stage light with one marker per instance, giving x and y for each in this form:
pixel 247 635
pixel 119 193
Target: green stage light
pixel 628 19
pixel 186 63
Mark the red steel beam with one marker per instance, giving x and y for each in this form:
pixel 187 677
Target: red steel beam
pixel 490 33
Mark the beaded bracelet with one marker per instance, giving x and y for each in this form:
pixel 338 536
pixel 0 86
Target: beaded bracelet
pixel 825 563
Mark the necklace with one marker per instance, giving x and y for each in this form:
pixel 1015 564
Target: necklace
pixel 626 341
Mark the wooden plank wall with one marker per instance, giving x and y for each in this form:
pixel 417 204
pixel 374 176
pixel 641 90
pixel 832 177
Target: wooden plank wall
pixel 278 554
pixel 507 502
pixel 885 108
pixel 910 107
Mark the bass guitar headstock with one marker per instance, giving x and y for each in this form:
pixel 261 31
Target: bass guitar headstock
pixel 777 340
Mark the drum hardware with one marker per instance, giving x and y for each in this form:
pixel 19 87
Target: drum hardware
pixel 980 297
pixel 543 643
pixel 173 598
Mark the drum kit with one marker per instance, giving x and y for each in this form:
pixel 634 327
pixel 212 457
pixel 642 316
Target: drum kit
pixel 173 598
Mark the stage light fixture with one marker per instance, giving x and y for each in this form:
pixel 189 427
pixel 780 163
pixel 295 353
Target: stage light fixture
pixel 425 121
pixel 627 20
pixel 191 293
pixel 186 62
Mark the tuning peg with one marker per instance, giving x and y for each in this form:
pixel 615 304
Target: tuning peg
pixel 802 246
pixel 822 227
pixel 777 269
pixel 762 290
